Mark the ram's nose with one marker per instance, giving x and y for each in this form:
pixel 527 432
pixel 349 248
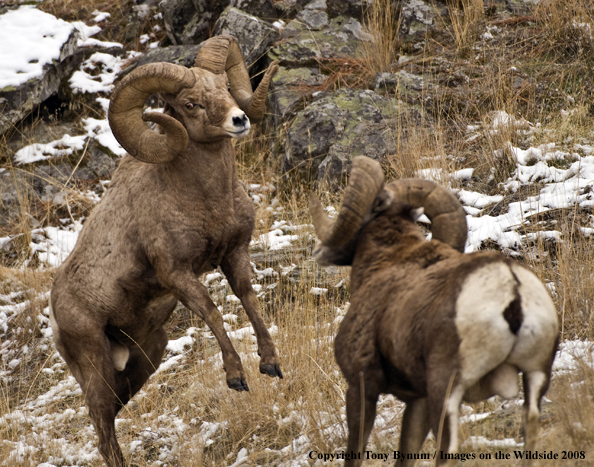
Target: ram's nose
pixel 241 121
pixel 237 124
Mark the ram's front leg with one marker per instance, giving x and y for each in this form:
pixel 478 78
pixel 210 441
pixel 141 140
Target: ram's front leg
pixel 238 271
pixel 194 295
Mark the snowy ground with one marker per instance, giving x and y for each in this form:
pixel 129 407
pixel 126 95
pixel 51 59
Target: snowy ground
pixel 39 428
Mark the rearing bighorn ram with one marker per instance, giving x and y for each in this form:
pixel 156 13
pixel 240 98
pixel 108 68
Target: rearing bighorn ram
pixel 427 323
pixel 174 210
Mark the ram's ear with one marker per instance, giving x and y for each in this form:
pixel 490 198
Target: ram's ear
pixel 382 201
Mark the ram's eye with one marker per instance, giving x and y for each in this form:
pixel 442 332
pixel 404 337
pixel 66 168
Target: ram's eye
pixel 189 106
pixel 228 87
pixel 201 106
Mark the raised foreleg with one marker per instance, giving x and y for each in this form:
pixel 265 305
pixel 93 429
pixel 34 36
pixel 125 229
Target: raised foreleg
pixel 237 269
pixel 194 295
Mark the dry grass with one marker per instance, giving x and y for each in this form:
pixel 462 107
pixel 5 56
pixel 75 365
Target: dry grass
pixel 310 399
pixel 568 26
pixel 466 17
pixel 382 22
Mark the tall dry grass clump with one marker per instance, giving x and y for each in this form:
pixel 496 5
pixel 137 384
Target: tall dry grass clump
pixel 466 17
pixel 382 22
pixel 568 26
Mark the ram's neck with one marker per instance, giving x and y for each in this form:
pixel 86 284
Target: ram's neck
pixel 410 252
pixel 208 168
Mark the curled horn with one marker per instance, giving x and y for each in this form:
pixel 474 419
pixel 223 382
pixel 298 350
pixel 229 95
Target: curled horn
pixel 128 122
pixel 448 218
pixel 365 183
pixel 221 54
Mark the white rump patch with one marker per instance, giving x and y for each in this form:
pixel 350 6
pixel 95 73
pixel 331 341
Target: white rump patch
pixel 486 339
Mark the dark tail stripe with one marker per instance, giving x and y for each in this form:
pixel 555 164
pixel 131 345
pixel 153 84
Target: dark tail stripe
pixel 513 315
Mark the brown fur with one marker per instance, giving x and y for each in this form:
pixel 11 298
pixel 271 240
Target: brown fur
pixel 400 333
pixel 143 248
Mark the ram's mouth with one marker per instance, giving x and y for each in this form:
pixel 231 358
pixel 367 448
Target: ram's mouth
pixel 239 133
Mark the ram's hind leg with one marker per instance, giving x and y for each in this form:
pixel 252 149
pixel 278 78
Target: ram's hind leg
pixel 141 364
pixel 88 355
pixel 359 430
pixel 238 271
pixel 535 385
pixel 415 426
pixel 443 405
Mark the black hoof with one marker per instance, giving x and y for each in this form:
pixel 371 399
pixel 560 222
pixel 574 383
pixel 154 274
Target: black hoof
pixel 238 384
pixel 271 370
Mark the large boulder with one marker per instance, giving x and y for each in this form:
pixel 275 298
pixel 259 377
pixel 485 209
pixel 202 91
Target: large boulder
pixel 183 55
pixel 190 21
pixel 313 37
pixel 26 80
pixel 290 91
pixel 263 9
pixel 253 34
pixel 325 136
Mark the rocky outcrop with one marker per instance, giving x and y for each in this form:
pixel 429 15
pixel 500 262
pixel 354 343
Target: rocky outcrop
pixel 17 101
pixel 313 36
pixel 325 136
pixel 253 34
pixel 193 21
pixel 189 22
pixel 183 55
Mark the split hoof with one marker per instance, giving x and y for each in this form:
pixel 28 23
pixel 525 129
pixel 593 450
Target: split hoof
pixel 271 370
pixel 239 384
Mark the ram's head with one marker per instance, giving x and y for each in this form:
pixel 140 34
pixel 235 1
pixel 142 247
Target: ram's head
pixel 366 198
pixel 210 101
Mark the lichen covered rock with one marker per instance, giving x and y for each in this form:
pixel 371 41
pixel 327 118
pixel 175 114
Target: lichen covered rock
pixel 312 36
pixel 334 128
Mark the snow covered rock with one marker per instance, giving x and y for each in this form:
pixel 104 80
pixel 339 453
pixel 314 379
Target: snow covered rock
pixel 36 51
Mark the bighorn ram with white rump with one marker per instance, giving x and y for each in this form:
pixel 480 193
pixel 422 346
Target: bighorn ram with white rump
pixel 174 210
pixel 427 323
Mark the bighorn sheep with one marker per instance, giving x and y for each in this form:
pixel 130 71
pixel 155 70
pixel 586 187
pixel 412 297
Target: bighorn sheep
pixel 174 210
pixel 427 323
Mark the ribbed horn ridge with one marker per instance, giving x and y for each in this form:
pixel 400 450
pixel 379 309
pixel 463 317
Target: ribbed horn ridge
pixel 128 123
pixel 448 218
pixel 365 183
pixel 221 54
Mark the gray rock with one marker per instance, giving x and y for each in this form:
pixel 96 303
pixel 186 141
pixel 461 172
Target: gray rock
pixel 15 194
pixel 334 128
pixel 253 34
pixel 183 55
pixel 290 90
pixel 16 102
pixel 289 8
pixel 419 16
pixel 263 9
pixel 49 179
pixel 402 82
pixel 190 21
pixel 99 164
pixel 311 37
pixel 351 8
